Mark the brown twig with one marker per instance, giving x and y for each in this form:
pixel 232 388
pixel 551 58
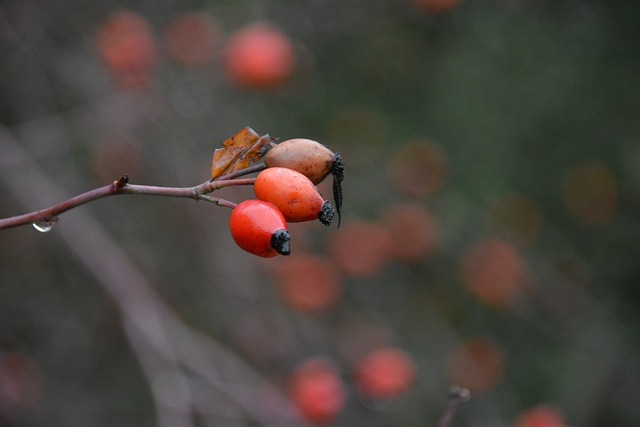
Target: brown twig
pixel 121 186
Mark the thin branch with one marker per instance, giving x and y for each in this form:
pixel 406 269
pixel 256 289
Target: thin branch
pixel 242 172
pixel 457 397
pixel 121 186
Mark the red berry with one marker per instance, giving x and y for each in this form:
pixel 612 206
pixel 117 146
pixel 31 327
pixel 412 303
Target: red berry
pixel 386 373
pixel 294 194
pixel 317 390
pixel 259 56
pixel 259 228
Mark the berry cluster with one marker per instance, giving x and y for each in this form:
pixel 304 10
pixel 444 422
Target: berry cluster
pixel 286 192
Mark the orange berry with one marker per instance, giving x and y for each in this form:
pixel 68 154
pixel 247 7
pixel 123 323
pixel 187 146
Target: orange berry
pixel 317 390
pixel 311 159
pixel 385 373
pixel 294 194
pixel 259 56
pixel 259 228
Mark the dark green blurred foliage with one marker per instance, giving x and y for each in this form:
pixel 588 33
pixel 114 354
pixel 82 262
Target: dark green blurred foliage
pixel 515 94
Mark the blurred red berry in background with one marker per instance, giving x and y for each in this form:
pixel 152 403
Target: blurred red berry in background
pixel 493 270
pixel 259 56
pixel 385 373
pixel 317 390
pixel 128 49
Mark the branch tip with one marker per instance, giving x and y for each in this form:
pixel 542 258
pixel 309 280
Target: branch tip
pixel 457 397
pixel 459 394
pixel 121 182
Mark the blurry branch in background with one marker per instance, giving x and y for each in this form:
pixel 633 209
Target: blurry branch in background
pixel 457 397
pixel 189 374
pixel 44 219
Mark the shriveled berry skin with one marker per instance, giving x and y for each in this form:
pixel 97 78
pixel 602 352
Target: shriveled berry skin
pixel 294 194
pixel 259 228
pixel 306 156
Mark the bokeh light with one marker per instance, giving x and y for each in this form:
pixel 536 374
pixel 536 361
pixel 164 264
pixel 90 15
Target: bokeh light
pixel 488 238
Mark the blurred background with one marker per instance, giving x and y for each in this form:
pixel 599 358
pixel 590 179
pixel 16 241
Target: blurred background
pixel 489 237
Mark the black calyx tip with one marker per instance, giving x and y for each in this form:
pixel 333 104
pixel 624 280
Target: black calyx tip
pixel 337 167
pixel 280 242
pixel 337 170
pixel 326 213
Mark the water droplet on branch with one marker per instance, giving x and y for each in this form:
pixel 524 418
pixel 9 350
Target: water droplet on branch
pixel 46 225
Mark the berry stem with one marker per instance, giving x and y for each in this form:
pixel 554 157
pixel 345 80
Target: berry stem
pixel 457 397
pixel 218 201
pixel 258 167
pixel 122 186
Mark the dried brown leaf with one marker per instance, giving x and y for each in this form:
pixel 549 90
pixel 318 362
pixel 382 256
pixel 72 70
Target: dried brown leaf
pixel 238 152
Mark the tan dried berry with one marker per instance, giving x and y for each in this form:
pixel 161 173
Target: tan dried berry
pixel 311 159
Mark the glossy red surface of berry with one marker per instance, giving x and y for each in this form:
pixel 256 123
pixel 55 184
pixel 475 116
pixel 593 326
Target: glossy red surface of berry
pixel 259 228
